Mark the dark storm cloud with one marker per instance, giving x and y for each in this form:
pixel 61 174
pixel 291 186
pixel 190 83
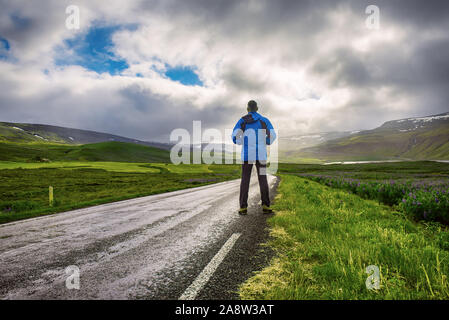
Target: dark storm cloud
pixel 345 68
pixel 426 64
pixel 415 68
pixel 255 20
pixel 432 60
pixel 424 67
pixel 153 115
pixel 242 80
pixel 30 25
pixel 417 13
pixel 309 13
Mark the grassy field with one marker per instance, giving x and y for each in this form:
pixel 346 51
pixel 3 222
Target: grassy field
pixel 420 189
pixel 102 151
pixel 112 166
pixel 373 171
pixel 24 186
pixel 325 238
pixel 90 174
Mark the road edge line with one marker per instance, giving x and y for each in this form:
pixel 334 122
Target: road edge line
pixel 192 291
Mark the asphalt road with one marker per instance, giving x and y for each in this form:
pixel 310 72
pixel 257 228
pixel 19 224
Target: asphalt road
pixel 190 244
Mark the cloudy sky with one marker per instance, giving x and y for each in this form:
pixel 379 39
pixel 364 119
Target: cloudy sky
pixel 143 68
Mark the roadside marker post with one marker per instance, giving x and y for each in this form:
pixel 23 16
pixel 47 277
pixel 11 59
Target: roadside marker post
pixel 50 195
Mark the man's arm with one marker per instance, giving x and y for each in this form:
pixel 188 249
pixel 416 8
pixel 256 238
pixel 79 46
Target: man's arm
pixel 237 133
pixel 272 133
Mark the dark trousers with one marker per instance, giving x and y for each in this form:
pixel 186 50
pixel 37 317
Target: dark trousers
pixel 244 184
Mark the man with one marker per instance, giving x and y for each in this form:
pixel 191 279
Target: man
pixel 255 133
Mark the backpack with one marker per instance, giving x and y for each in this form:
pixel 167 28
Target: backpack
pixel 249 119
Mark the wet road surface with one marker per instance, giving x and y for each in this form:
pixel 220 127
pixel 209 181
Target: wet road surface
pixel 184 244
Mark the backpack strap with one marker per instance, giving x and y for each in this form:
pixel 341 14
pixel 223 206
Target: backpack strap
pixel 246 119
pixel 264 126
pixel 249 119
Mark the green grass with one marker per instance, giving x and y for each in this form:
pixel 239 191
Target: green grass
pixel 103 151
pixel 185 168
pixel 325 238
pixel 90 174
pixel 418 188
pixel 372 171
pixel 24 192
pixel 111 166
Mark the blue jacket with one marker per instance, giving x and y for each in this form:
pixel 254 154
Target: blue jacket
pixel 254 147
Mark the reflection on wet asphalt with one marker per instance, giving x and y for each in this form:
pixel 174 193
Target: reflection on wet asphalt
pixel 145 248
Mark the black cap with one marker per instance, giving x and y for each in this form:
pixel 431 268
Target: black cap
pixel 252 105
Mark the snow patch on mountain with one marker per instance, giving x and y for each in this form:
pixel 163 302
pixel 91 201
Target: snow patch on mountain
pixel 38 136
pixel 425 119
pixel 315 136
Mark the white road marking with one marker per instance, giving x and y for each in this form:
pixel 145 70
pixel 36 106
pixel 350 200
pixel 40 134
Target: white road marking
pixel 192 291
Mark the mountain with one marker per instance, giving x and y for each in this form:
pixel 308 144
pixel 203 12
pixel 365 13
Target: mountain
pixel 418 138
pixel 40 142
pixel 290 146
pixel 312 139
pixel 404 139
pixel 411 124
pixel 42 133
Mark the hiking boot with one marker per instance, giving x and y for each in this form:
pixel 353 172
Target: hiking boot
pixel 266 209
pixel 243 211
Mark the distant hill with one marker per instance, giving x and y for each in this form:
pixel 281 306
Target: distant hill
pixel 42 133
pixel 102 151
pixel 312 139
pixel 412 138
pixel 420 138
pixel 290 146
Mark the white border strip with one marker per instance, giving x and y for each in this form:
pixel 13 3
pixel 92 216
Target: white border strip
pixel 193 290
